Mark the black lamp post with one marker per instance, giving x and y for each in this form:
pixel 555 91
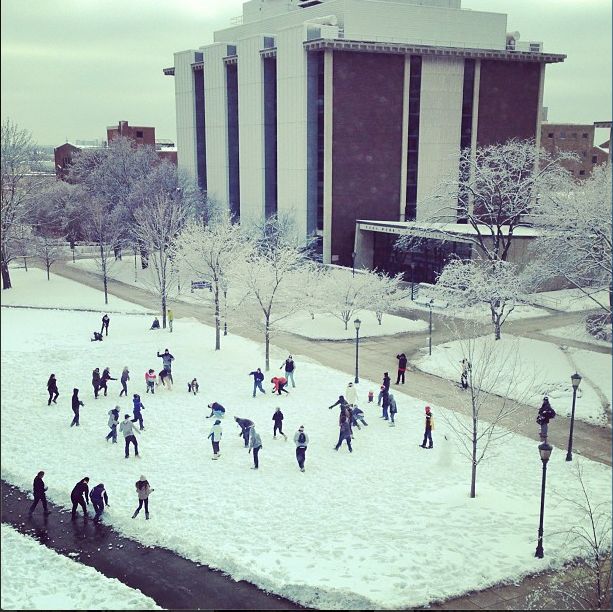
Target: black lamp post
pixel 224 287
pixel 545 451
pixel 430 327
pixel 357 324
pixel 575 379
pixel 412 280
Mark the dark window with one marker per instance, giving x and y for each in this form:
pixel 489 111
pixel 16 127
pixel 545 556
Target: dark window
pixel 413 143
pixel 139 134
pixel 581 172
pixel 234 194
pixel 200 125
pixel 270 136
pixel 594 159
pixel 562 134
pixel 584 135
pixel 550 135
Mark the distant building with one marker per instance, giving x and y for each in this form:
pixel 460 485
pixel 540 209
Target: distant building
pixel 63 159
pixel 140 135
pixel 576 138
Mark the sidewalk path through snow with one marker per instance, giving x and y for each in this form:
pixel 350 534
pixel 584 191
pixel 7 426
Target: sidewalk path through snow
pixel 170 580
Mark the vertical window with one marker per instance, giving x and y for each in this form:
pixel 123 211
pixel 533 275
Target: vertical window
pixel 200 125
pixel 466 133
pixel 413 140
pixel 270 136
pixel 234 194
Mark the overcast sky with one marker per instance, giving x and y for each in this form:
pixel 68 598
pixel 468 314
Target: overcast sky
pixel 72 67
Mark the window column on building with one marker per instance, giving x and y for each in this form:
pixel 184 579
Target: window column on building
pixel 328 122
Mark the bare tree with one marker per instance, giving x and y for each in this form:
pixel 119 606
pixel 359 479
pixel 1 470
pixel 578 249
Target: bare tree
pixel 106 228
pixel 388 295
pixel 157 225
pixel 209 252
pixel 491 371
pixel 48 250
pixel 313 279
pixel 17 186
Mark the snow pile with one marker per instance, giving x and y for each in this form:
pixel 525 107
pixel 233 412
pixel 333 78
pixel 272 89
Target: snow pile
pixel 544 369
pixel 329 327
pixel 388 526
pixel 35 577
pixel 32 288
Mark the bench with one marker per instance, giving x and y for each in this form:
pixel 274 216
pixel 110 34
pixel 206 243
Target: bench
pixel 201 285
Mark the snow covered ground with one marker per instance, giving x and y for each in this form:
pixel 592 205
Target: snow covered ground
pixel 329 327
pixel 35 577
pixel 388 526
pixel 568 300
pixel 576 332
pixel 545 369
pixel 32 288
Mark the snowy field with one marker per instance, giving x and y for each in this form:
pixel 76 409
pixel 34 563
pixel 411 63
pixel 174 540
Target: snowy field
pixel 546 370
pixel 568 300
pixel 328 327
pixel 388 526
pixel 32 288
pixel 576 332
pixel 35 577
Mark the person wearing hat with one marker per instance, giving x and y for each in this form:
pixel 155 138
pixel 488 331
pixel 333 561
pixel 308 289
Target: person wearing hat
pixel 143 490
pixel 289 366
pixel 545 414
pixel 301 440
pixel 99 499
pixel 255 444
pixel 215 435
pixel 429 428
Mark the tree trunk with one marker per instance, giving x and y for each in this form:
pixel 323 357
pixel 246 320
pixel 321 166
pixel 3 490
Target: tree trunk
pixel 497 328
pixel 473 473
pixel 217 319
pixel 267 342
pixel 48 267
pixel 104 277
pixel 346 321
pixel 6 277
pixel 163 309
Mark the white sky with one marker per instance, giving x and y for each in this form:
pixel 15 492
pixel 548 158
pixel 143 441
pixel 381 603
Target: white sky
pixel 71 67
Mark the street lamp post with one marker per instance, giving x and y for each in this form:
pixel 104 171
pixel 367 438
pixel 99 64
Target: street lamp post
pixel 357 324
pixel 545 451
pixel 224 287
pixel 430 327
pixel 575 379
pixel 412 280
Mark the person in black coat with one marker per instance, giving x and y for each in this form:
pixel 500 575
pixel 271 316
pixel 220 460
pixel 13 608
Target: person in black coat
pixel 96 381
pixel 76 404
pixel 80 496
pixel 545 414
pixel 39 489
pixel 258 378
pixel 277 417
pixel 245 425
pixel 52 388
pixel 105 325
pixel 402 367
pixel 289 366
pixel 106 376
pixel 99 499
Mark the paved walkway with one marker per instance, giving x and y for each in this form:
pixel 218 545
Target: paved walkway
pixel 173 582
pixel 377 354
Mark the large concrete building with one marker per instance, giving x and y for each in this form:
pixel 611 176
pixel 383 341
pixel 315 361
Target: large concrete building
pixel 338 110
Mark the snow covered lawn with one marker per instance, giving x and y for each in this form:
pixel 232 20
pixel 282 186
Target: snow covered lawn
pixel 32 288
pixel 35 577
pixel 329 327
pixel 568 300
pixel 388 526
pixel 544 367
pixel 576 332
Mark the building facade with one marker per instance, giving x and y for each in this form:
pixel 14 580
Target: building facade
pixel 338 110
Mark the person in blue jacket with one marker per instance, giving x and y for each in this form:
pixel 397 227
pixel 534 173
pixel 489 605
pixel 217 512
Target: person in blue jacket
pixel 258 378
pixel 138 406
pixel 99 500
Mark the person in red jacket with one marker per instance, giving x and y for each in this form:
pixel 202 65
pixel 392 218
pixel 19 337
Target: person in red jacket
pixel 150 378
pixel 279 382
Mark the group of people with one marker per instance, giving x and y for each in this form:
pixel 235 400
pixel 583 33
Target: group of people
pixel 82 496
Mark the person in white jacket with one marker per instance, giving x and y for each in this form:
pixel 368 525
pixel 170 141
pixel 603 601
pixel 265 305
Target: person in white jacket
pixel 351 394
pixel 128 430
pixel 255 444
pixel 215 435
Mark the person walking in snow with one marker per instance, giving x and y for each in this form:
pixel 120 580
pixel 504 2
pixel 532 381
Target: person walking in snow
pixel 193 387
pixel 351 394
pixel 106 376
pixel 76 405
pixel 99 499
pixel 301 440
pixel 125 377
pixel 289 367
pixel 217 411
pixel 171 318
pixel 113 422
pixel 429 426
pixel 96 381
pixel 105 325
pixel 39 488
pixel 258 378
pixel 277 417
pixel 143 490
pixel 80 497
pixel 215 436
pixel 341 401
pixel 402 367
pixel 128 430
pixel 358 415
pixel 279 383
pixel 52 389
pixel 138 406
pixel 344 434
pixel 545 414
pixel 150 379
pixel 393 409
pixel 255 445
pixel 167 360
pixel 245 425
pixel 465 366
